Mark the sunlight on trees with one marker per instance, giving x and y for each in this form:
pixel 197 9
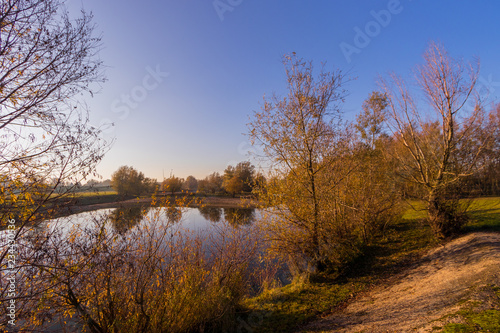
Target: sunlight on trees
pixel 437 150
pixel 239 178
pixel 172 184
pixel 316 218
pixel 128 181
pixel 212 184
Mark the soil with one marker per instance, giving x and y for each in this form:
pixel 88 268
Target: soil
pixel 424 296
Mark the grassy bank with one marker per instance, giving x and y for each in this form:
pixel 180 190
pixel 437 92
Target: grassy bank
pixel 284 309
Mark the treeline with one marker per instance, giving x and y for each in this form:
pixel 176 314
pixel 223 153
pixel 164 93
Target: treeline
pixel 239 179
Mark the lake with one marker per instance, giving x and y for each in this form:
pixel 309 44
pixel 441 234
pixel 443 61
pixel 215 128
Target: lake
pixel 195 219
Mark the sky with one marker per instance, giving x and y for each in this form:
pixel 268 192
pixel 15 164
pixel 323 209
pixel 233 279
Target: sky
pixel 184 77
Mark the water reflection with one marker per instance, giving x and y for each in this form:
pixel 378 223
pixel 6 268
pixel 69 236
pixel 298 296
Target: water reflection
pixel 212 214
pixel 173 214
pixel 239 216
pixel 235 216
pixel 125 218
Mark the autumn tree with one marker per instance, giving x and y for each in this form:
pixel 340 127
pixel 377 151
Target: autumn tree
pixel 128 181
pixel 234 185
pixel 303 140
pixel 239 178
pixel 370 121
pixel 173 184
pixel 211 184
pixel 191 184
pixel 434 136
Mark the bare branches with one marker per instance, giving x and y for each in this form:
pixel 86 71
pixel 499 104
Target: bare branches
pixel 46 142
pixel 435 149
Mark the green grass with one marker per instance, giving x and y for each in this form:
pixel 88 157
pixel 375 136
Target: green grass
pixel 284 309
pixel 92 198
pixel 485 215
pixel 95 193
pixel 475 316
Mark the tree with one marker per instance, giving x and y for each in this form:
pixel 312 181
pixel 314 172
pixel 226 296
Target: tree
pixel 302 137
pixel 128 181
pixel 245 171
pixel 173 184
pixel 370 121
pixel 47 61
pixel 234 185
pixel 240 178
pixel 211 184
pixel 191 184
pixel 437 153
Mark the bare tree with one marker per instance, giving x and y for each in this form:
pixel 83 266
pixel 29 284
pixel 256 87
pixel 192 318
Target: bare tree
pixel 47 145
pixel 435 138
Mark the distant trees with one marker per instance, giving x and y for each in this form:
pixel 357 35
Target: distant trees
pixel 190 184
pixel 128 181
pixel 239 178
pixel 211 184
pixel 234 185
pixel 436 150
pixel 173 184
pixel 370 122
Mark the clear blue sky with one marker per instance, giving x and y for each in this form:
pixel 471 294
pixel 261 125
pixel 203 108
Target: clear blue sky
pixel 220 62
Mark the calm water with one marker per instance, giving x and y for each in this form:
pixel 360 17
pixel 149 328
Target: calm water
pixel 194 219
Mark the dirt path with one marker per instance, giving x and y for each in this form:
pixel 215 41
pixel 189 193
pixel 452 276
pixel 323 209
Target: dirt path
pixel 420 298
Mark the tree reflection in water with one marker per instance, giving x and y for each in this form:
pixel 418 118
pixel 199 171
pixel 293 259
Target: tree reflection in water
pixel 125 218
pixel 212 214
pixel 174 214
pixel 239 216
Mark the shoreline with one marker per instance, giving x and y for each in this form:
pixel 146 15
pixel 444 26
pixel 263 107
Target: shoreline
pixel 210 201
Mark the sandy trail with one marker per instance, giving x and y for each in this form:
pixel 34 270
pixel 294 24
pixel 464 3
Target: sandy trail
pixel 419 297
